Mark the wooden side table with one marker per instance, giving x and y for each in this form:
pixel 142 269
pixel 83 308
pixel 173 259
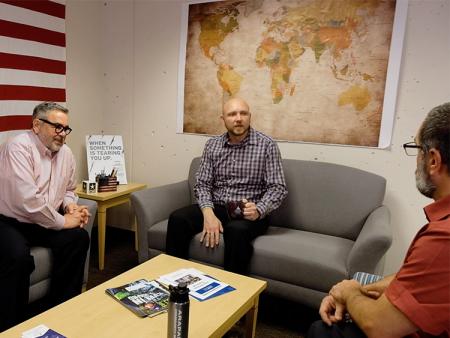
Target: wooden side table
pixel 107 200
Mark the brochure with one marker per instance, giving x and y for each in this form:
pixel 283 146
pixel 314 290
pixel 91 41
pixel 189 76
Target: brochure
pixel 201 286
pixel 41 331
pixel 143 297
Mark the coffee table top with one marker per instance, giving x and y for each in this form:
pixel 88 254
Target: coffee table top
pixel 95 314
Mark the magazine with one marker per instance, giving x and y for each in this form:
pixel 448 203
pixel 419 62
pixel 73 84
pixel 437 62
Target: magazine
pixel 201 286
pixel 143 297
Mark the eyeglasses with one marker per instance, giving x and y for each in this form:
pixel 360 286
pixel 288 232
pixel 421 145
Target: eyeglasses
pixel 59 128
pixel 411 148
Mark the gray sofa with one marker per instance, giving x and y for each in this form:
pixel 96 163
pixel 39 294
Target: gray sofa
pixel 331 225
pixel 40 277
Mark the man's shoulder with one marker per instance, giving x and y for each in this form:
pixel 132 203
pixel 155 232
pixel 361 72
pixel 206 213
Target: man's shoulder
pixel 19 141
pixel 216 140
pixel 261 137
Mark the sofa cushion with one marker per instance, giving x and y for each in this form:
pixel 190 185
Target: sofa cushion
pixel 42 262
pixel 328 198
pixel 300 258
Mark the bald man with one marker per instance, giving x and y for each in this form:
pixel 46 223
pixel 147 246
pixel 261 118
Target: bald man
pixel 239 182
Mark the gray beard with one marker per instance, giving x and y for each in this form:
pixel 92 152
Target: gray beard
pixel 423 182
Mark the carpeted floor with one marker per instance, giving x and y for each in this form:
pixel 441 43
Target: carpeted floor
pixel 276 317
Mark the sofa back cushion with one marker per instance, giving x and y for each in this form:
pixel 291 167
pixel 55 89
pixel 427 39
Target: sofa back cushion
pixel 324 198
pixel 328 198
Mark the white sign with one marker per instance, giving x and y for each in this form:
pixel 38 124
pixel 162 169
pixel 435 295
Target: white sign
pixel 105 153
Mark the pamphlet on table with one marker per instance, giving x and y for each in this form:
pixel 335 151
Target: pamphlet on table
pixel 201 286
pixel 41 331
pixel 143 297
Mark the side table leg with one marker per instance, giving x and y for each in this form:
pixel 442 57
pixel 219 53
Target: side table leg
pixel 101 237
pixel 250 320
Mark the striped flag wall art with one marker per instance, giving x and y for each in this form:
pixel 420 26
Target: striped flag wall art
pixel 32 59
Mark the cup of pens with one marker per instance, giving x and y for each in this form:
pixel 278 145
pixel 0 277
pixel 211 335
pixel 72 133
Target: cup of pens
pixel 107 182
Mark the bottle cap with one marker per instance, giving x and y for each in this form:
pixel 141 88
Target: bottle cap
pixel 180 293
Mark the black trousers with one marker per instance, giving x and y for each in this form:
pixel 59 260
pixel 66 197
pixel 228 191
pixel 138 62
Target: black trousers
pixel 319 329
pixel 238 234
pixel 69 248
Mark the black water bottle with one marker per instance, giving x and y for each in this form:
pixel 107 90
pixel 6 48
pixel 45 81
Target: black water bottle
pixel 178 322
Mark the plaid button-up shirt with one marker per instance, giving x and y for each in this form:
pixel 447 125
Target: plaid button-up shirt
pixel 251 169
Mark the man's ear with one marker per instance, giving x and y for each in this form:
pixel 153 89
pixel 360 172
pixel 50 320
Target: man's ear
pixel 36 125
pixel 434 161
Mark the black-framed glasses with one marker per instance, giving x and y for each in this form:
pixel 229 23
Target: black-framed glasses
pixel 411 148
pixel 59 128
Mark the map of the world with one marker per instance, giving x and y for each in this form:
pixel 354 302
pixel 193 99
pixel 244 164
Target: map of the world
pixel 311 70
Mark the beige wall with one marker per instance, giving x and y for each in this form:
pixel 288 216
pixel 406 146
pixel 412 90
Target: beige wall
pixel 122 60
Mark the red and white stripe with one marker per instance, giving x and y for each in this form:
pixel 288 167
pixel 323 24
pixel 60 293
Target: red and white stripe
pixel 32 59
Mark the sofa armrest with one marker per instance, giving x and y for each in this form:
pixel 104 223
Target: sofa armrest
pixel 372 243
pixel 154 205
pixel 92 206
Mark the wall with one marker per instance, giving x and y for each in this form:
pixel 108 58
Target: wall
pixel 122 61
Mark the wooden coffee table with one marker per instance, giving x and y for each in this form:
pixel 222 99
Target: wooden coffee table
pixel 95 314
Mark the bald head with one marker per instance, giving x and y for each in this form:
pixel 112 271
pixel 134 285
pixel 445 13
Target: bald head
pixel 234 104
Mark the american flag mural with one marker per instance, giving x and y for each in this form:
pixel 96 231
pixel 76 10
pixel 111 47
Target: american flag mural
pixel 32 59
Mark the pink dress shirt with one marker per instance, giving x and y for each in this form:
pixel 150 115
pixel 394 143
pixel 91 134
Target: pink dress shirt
pixel 34 182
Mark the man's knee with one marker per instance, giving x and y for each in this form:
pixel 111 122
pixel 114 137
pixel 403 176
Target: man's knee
pixel 236 230
pixel 77 237
pixel 16 259
pixel 319 329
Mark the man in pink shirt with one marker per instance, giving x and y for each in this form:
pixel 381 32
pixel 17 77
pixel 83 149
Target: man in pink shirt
pixel 414 302
pixel 38 207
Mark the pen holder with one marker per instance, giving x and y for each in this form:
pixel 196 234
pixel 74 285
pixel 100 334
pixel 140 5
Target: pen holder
pixel 106 183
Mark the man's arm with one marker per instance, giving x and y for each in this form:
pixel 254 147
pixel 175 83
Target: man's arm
pixel 276 189
pixel 376 289
pixel 204 180
pixel 70 197
pixel 25 194
pixel 376 317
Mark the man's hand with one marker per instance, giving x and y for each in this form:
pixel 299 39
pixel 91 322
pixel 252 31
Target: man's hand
pixel 212 227
pixel 73 220
pixel 249 210
pixel 76 215
pixel 342 290
pixel 331 311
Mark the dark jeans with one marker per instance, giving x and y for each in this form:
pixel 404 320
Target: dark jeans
pixel 238 234
pixel 69 248
pixel 319 329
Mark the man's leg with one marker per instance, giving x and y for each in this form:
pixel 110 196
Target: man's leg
pixel 69 248
pixel 16 265
pixel 183 224
pixel 319 329
pixel 238 236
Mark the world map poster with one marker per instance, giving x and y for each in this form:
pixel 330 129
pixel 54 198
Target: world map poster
pixel 321 71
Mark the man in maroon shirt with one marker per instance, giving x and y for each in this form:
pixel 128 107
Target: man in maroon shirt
pixel 414 302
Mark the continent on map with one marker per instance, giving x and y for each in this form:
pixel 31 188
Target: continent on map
pixel 229 80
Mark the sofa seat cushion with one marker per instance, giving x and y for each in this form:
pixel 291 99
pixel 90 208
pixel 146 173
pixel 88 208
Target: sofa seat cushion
pixel 42 262
pixel 301 258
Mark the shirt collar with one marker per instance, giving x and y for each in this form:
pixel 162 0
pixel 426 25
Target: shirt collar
pixel 43 150
pixel 249 139
pixel 438 210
